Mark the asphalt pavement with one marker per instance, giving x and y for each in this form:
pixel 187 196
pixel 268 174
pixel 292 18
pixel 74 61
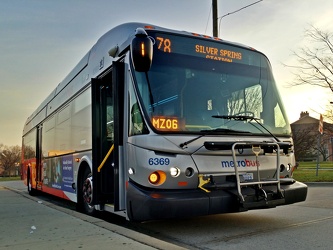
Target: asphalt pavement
pixel 30 223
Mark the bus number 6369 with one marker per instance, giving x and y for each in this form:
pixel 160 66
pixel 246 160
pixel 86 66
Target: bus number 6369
pixel 158 161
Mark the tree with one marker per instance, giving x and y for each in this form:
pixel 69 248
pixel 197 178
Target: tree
pixel 305 141
pixel 9 159
pixel 315 68
pixel 316 62
pixel 323 149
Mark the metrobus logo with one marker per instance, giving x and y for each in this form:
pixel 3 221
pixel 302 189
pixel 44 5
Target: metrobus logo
pixel 244 163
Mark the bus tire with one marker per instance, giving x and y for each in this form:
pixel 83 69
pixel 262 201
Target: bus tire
pixel 31 190
pixel 85 193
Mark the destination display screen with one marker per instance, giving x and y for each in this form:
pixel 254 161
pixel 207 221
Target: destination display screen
pixel 208 49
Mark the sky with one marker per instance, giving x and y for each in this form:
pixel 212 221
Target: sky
pixel 42 40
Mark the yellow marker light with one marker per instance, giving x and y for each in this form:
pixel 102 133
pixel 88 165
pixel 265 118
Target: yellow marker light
pixel 142 49
pixel 150 27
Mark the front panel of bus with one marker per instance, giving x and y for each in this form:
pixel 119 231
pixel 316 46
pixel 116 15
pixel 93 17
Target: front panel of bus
pixel 193 94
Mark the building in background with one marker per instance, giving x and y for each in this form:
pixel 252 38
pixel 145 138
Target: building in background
pixel 308 140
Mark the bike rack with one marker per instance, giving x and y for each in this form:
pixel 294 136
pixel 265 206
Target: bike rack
pixel 256 149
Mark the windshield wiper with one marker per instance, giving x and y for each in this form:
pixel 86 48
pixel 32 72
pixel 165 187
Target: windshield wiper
pixel 246 118
pixel 211 131
pixel 184 144
pixel 235 117
pixel 222 130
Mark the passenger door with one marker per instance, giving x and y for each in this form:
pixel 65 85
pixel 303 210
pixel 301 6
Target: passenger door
pixel 39 163
pixel 107 125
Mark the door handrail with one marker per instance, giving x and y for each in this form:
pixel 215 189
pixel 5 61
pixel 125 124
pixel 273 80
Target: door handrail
pixel 105 158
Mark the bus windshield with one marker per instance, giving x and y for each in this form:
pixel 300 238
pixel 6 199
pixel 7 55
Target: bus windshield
pixel 197 85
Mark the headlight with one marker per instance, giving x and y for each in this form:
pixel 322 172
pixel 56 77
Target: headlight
pixel 174 172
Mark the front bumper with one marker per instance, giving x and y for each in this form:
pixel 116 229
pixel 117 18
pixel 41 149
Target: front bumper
pixel 151 204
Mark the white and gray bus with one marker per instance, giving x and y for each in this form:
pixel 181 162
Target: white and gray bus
pixel 155 123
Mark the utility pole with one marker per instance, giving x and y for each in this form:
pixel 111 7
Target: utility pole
pixel 215 26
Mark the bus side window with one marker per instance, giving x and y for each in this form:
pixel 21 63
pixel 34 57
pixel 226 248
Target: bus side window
pixel 136 126
pixel 109 122
pixel 109 111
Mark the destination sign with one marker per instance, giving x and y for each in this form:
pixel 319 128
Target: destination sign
pixel 198 47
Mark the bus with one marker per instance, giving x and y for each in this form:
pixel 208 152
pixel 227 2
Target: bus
pixel 155 123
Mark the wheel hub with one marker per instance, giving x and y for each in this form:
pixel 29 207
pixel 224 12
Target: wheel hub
pixel 87 190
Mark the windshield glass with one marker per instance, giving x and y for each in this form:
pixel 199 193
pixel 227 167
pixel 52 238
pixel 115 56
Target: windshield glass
pixel 191 80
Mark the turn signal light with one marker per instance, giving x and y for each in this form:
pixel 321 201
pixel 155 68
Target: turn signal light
pixel 154 178
pixel 157 178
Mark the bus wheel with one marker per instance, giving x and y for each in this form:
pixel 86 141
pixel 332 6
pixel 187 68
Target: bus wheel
pixel 31 190
pixel 86 194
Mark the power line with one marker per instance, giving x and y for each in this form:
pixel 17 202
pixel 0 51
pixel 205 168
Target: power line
pixel 208 19
pixel 236 11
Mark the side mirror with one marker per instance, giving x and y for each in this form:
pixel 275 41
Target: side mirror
pixel 141 51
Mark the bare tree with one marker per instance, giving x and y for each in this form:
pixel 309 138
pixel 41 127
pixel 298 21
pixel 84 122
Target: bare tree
pixel 329 115
pixel 305 141
pixel 316 62
pixel 9 159
pixel 323 146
